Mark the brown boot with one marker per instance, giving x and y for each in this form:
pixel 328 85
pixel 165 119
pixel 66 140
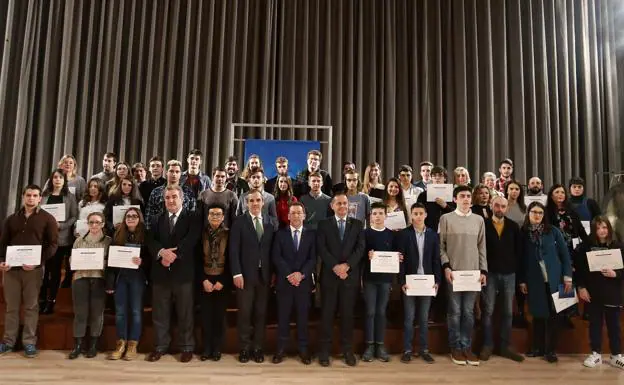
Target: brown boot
pixel 131 352
pixel 119 350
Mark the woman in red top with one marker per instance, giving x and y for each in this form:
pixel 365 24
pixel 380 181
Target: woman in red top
pixel 283 198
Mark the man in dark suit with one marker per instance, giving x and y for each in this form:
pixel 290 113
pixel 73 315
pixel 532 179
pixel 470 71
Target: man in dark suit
pixel 340 244
pixel 294 256
pixel 249 247
pixel 172 240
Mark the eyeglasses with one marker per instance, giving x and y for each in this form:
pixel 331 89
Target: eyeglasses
pixel 540 213
pixel 132 216
pixel 216 215
pixel 94 223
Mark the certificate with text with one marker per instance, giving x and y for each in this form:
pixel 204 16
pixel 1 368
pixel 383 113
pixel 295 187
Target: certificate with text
pixel 443 191
pixel 466 280
pixel 605 259
pixel 29 255
pixel 385 262
pixel 57 210
pixel 120 211
pixel 395 221
pixel 121 256
pixel 87 259
pixel 420 285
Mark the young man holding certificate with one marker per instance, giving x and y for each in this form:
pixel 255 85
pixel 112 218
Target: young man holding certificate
pixel 464 261
pixel 30 226
pixel 420 247
pixel 380 266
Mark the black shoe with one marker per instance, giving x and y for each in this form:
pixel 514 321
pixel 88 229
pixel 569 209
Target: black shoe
pixel 551 357
pixel 278 357
pixel 406 357
pixel 76 350
pixel 427 357
pixel 216 356
pixel 324 359
pixel 534 353
pixel 258 356
pixel 48 308
pixel 205 356
pixel 350 359
pixel 305 358
pixel 92 352
pixel 243 356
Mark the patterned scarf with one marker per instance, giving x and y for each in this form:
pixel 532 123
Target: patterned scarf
pixel 214 239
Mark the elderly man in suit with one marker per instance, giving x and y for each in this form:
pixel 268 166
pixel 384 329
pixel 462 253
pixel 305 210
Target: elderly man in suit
pixel 249 251
pixel 172 240
pixel 294 257
pixel 340 244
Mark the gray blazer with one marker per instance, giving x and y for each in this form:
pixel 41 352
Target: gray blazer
pixel 66 235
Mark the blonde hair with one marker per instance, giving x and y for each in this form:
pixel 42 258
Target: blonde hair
pixel 366 181
pixel 63 159
pixel 461 169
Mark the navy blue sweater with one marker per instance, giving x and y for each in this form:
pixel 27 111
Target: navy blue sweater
pixel 378 241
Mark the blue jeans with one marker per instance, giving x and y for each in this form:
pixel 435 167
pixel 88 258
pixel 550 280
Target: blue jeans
pixel 129 304
pixel 409 308
pixel 376 296
pixel 460 318
pixel 505 285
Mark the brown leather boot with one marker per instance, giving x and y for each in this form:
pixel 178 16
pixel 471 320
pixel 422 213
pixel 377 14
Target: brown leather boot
pixel 119 350
pixel 131 352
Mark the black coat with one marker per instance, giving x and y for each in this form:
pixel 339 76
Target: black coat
pixel 602 290
pixel 333 251
pixel 287 260
pixel 247 253
pixel 504 253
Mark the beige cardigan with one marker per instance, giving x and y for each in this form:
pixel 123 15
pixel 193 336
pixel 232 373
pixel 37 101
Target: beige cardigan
pixel 84 243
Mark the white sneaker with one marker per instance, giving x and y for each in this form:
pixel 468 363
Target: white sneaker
pixel 617 361
pixel 593 360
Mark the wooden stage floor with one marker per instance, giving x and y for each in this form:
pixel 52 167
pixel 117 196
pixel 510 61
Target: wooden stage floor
pixel 51 367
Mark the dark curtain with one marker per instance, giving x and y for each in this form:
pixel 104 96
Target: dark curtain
pixel 458 82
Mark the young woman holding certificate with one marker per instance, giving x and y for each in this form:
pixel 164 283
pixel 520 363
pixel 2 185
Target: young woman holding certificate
pixel 61 203
pixel 601 289
pixel 128 286
pixel 545 269
pixel 394 200
pixel 88 294
pixel 126 195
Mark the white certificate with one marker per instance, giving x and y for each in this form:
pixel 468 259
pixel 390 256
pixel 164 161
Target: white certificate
pixel 586 226
pixel 604 259
pixel 72 189
pixel 395 220
pixel 409 201
pixel 466 280
pixel 575 242
pixel 563 303
pixel 121 256
pixel 82 227
pixel 87 259
pixel 57 210
pixel 444 191
pixel 374 200
pixel 540 198
pixel 29 255
pixel 385 262
pixel 120 211
pixel 420 285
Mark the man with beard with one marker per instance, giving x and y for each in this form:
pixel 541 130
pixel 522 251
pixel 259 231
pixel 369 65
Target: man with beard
pixel 281 165
pixel 506 170
pixel 269 209
pixel 234 182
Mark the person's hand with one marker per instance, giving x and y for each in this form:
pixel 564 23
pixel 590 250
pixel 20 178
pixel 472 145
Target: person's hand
pixel 28 267
pixel 239 282
pixel 137 261
pixel 217 286
pixel 164 262
pixel 208 287
pixel 524 289
pixel 404 288
pixel 609 273
pixel 4 266
pixel 401 257
pixel 448 273
pixel 371 253
pixel 435 287
pixel 441 202
pixel 483 279
pixel 169 255
pixel 584 295
pixel 567 287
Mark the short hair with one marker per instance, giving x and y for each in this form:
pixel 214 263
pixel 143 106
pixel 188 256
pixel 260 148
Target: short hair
pixel 379 205
pixel 406 168
pixel 460 169
pixel 339 193
pixel 425 163
pixel 439 170
pixel 171 188
pixel 418 205
pixel 487 174
pixel 138 165
pixel 254 191
pixel 195 152
pixel 31 186
pixel 506 161
pixel 98 214
pixel 576 180
pixel 460 189
pixel 218 169
pixel 351 170
pixel 111 155
pixel 315 175
pixel 315 152
pixel 232 158
pixel 281 159
pixel 216 205
pixel 156 158
pixel 498 198
pixel 173 163
pixel 255 170
pixel 297 203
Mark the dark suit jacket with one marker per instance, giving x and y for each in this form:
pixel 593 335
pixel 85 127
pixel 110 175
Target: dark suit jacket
pixel 185 237
pixel 409 248
pixel 247 253
pixel 333 251
pixel 288 261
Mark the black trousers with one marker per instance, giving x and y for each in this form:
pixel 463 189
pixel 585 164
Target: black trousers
pixel 288 298
pixel 342 295
pixel 252 302
pixel 180 295
pixel 546 329
pixel 52 274
pixel 213 308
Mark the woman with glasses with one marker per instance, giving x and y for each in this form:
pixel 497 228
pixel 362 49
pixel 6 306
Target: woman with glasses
pixel 545 267
pixel 283 198
pixel 128 285
pixel 88 293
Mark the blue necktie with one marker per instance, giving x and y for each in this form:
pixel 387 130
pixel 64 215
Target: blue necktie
pixel 296 240
pixel 341 228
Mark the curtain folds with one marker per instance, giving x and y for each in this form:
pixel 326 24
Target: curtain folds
pixel 458 82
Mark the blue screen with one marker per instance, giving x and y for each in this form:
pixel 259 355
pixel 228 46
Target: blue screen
pixel 295 151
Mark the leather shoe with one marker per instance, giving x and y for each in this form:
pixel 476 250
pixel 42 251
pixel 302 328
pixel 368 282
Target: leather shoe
pixel 534 353
pixel 278 358
pixel 216 356
pixel 155 356
pixel 350 359
pixel 324 361
pixel 305 358
pixel 186 356
pixel 243 356
pixel 258 356
pixel 205 356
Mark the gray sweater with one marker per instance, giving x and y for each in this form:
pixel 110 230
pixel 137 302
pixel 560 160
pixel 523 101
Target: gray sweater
pixel 462 242
pixel 226 198
pixel 359 207
pixel 317 209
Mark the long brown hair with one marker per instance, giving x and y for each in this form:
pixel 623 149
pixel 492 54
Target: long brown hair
pixel 593 238
pixel 122 232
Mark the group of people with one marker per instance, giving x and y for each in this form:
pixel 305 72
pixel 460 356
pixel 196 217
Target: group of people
pixel 200 237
